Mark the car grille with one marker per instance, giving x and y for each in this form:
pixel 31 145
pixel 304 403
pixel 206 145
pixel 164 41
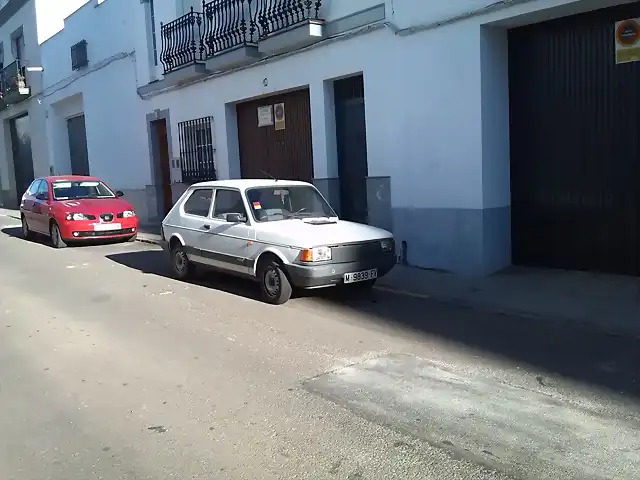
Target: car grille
pixel 106 217
pixel 108 233
pixel 356 252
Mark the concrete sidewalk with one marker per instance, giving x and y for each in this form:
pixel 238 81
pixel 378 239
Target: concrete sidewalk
pixel 608 303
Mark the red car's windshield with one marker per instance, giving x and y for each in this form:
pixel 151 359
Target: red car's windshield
pixel 71 190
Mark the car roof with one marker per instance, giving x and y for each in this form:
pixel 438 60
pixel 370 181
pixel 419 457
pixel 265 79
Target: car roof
pixel 70 178
pixel 245 183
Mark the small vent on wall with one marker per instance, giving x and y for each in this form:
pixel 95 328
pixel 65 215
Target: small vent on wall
pixel 79 58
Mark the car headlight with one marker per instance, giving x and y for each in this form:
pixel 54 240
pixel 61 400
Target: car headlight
pixel 79 216
pixel 128 214
pixel 386 245
pixel 317 254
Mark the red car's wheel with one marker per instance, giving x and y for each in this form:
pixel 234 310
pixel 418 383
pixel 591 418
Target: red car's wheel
pixel 56 238
pixel 26 232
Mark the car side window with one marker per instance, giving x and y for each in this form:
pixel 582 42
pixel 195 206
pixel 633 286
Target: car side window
pixel 199 202
pixel 43 188
pixel 33 188
pixel 228 201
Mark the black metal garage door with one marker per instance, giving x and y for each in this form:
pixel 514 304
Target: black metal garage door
pixel 575 145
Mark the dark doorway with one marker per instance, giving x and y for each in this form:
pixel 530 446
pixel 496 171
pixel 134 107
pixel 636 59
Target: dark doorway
pixel 351 138
pixel 280 149
pixel 575 154
pixel 22 159
pixel 159 127
pixel 78 145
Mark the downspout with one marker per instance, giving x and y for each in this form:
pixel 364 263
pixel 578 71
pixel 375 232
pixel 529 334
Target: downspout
pixel 493 7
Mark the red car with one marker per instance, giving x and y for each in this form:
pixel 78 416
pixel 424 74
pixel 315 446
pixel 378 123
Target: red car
pixel 73 208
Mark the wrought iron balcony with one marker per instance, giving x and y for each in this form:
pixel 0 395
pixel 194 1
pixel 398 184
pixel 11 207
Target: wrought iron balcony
pixel 227 25
pixel 14 83
pixel 182 42
pixel 278 15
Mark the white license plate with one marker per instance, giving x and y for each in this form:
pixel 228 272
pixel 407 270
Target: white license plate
pixel 105 227
pixel 361 276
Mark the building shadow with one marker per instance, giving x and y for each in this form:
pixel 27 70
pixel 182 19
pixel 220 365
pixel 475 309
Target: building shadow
pixel 552 346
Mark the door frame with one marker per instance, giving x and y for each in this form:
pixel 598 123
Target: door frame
pixel 154 156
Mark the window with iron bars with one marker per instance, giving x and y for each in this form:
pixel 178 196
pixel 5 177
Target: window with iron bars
pixel 197 152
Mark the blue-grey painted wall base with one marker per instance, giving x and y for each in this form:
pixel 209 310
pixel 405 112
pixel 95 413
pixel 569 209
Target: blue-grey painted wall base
pixel 463 241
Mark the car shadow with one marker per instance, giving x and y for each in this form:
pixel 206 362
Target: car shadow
pixel 155 262
pixel 552 346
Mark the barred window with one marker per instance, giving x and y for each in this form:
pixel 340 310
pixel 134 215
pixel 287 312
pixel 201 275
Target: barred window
pixel 197 151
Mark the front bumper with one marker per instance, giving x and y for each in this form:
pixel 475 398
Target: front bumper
pixel 84 230
pixel 329 274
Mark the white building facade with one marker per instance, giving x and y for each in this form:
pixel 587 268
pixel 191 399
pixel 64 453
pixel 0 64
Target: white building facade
pixel 23 151
pixel 420 117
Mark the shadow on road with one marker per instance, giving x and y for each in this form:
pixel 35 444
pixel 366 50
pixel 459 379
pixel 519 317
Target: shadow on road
pixel 155 262
pixel 551 345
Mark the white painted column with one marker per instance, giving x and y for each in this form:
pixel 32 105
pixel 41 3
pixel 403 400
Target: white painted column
pixel 323 130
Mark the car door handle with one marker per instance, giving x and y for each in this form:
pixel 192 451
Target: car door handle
pixel 206 227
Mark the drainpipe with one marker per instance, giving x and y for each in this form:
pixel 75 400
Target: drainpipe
pixel 493 7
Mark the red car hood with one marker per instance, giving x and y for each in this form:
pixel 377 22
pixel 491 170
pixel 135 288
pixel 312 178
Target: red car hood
pixel 93 206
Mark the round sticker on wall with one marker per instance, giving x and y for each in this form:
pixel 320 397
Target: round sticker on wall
pixel 628 33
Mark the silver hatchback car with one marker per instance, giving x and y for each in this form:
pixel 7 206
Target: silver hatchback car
pixel 284 234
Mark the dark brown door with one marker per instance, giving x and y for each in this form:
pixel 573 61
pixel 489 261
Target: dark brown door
pixel 351 139
pixel 286 153
pixel 575 153
pixel 160 127
pixel 78 152
pixel 22 159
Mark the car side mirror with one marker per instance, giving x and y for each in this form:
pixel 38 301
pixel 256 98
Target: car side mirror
pixel 42 196
pixel 236 218
pixel 119 193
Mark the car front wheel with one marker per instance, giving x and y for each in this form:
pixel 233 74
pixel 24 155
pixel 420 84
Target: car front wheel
pixel 56 238
pixel 274 283
pixel 182 266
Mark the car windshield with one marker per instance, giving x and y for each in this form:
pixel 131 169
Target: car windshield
pixel 270 204
pixel 71 190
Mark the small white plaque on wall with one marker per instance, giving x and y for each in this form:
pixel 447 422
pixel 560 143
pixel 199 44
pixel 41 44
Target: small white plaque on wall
pixel 265 116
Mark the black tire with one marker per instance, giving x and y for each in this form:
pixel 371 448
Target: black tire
pixel 274 284
pixel 133 237
pixel 180 263
pixel 56 239
pixel 26 232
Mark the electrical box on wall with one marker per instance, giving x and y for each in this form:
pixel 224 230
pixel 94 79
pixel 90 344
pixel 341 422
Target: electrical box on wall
pixel 176 170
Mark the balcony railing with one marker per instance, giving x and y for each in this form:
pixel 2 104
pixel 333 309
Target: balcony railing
pixel 277 15
pixel 182 41
pixel 227 24
pixel 13 80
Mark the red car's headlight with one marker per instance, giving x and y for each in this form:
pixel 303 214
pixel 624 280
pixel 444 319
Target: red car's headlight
pixel 79 216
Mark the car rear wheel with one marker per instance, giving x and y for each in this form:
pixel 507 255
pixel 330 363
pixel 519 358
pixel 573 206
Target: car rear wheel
pixel 182 266
pixel 56 238
pixel 26 232
pixel 274 283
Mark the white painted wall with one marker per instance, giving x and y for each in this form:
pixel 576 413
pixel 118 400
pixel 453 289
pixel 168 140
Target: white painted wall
pixel 105 92
pixel 417 105
pixel 25 18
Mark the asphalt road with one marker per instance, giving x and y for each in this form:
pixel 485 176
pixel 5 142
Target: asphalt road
pixel 109 369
